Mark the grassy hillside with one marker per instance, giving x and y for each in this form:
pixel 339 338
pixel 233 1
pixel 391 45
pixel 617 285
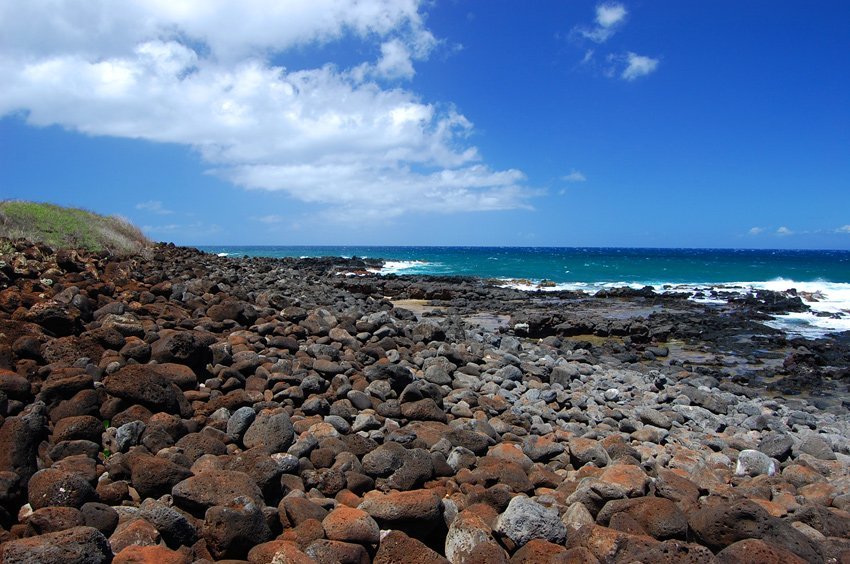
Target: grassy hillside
pixel 69 227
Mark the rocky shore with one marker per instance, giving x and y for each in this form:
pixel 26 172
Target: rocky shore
pixel 183 407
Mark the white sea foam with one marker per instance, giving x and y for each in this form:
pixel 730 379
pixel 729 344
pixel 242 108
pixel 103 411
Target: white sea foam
pixel 223 254
pixel 829 301
pixel 402 267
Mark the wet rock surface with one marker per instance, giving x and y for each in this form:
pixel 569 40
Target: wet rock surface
pixel 181 407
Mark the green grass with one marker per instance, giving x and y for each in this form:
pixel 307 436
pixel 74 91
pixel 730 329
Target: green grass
pixel 61 227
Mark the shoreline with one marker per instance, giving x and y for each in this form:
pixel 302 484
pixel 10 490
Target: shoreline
pixel 626 425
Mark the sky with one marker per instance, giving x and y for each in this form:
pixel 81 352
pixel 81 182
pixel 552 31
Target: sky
pixel 435 122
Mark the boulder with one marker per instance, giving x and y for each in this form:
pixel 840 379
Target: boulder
pixel 351 525
pixel 19 440
pixel 398 548
pixel 756 551
pixel 658 516
pixel 51 486
pixel 215 487
pixel 150 388
pixel 525 519
pixel 723 524
pixel 271 429
pixel 154 476
pixel 232 530
pixel 78 545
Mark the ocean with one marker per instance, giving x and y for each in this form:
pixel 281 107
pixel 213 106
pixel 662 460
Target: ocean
pixel 821 277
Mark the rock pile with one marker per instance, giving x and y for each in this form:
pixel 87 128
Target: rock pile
pixel 183 407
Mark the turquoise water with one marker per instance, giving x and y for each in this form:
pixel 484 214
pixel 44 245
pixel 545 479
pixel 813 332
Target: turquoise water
pixel 822 277
pixel 589 265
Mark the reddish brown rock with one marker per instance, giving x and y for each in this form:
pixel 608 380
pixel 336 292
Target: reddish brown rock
pixel 52 486
pixel 488 552
pixel 305 533
pixel 539 551
pixel 723 524
pixel 183 347
pixel 19 440
pixel 338 552
pixel 64 383
pixel 756 551
pixel 57 318
pixel 13 385
pixel 215 487
pixel 510 452
pixel 801 475
pixel 511 474
pixel 79 545
pixel 658 516
pixel 416 505
pixel 196 445
pixel 676 487
pixel 295 510
pixel 150 388
pixel 278 551
pixel 625 523
pixel 579 555
pixel 84 427
pixel 623 480
pixel 588 451
pixel 241 312
pixel 54 519
pixel 153 476
pixel 608 545
pixel 398 548
pixel 232 530
pixel 135 554
pixel 423 410
pixel 136 532
pixel 351 525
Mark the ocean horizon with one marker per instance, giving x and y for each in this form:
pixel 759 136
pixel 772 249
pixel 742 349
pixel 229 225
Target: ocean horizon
pixel 820 277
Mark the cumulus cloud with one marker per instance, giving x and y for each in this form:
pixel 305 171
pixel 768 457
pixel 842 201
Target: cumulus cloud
pixel 783 231
pixel 574 176
pixel 153 206
pixel 211 74
pixel 638 66
pixel 843 229
pixel 609 17
pixel 756 230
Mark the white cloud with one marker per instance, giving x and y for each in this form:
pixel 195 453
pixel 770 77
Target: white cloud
pixel 574 176
pixel 153 206
pixel 756 230
pixel 611 14
pixel 609 18
pixel 208 74
pixel 638 66
pixel 783 231
pixel 843 229
pixel 395 60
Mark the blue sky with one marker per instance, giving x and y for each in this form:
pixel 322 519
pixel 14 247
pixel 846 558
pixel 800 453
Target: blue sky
pixel 565 123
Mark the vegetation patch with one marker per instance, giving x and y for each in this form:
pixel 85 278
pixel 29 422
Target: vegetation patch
pixel 61 227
